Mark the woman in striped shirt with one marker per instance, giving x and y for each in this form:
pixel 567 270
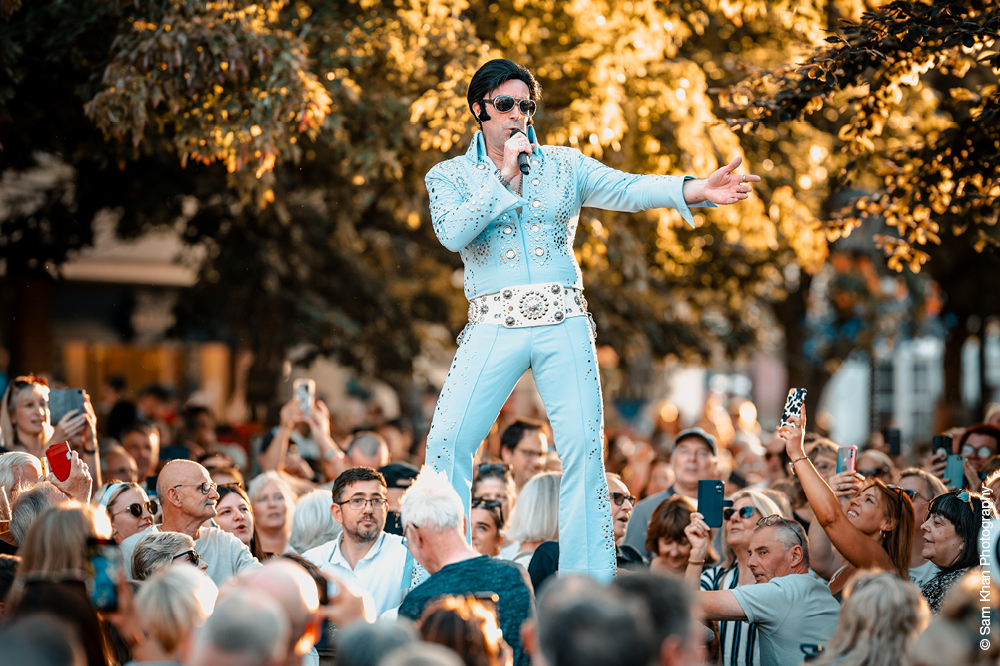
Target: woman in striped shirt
pixel 738 639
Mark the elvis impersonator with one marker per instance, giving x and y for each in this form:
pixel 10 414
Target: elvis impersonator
pixel 514 226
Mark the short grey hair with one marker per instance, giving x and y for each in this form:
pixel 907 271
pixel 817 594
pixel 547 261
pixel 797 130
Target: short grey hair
pixel 313 524
pixel 536 515
pixel 11 465
pixel 28 504
pixel 788 533
pixel 431 502
pixel 248 625
pixel 156 550
pixel 172 601
pixel 367 442
pixel 259 482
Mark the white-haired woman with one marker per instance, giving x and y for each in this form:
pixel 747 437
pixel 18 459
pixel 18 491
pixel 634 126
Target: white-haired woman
pixel 881 617
pixel 535 518
pixel 313 524
pixel 159 550
pixel 737 639
pixel 273 503
pixel 168 607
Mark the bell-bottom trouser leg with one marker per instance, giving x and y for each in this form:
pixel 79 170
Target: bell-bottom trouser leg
pixel 563 362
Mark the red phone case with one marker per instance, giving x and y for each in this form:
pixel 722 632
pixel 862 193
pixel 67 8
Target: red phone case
pixel 59 458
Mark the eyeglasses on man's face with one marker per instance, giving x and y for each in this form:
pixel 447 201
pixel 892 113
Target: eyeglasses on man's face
pixel 359 503
pixel 504 103
pixel 205 487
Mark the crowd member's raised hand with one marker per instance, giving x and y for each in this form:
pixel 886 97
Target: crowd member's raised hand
pixel 77 484
pixel 334 459
pixel 71 424
pixel 699 535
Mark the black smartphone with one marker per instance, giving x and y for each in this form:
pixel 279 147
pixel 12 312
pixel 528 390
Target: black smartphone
pixel 793 404
pixel 105 567
pixel 846 457
pixel 62 402
pixel 941 443
pixel 711 501
pixel 954 472
pixel 894 440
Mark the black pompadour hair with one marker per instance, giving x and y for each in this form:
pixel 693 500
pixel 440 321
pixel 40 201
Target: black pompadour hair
pixel 968 520
pixel 494 73
pixel 354 475
pixel 514 433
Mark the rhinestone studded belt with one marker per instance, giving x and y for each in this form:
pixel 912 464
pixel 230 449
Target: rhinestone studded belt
pixel 525 305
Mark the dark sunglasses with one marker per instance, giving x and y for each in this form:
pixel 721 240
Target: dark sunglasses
pixel 744 512
pixel 136 509
pixel 982 452
pixel 191 555
pixel 500 469
pixel 488 504
pixel 30 379
pixel 875 471
pixel 619 499
pixel 504 103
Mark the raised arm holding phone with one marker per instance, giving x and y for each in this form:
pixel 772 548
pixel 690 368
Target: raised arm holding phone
pixel 876 529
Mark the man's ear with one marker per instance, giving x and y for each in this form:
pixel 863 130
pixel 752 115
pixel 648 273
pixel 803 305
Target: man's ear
pixel 797 555
pixel 337 512
pixel 505 454
pixel 463 526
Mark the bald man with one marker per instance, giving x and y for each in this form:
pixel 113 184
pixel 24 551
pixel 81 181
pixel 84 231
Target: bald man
pixel 246 629
pixel 295 591
pixel 188 496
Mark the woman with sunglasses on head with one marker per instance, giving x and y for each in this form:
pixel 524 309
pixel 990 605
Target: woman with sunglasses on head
pixel 951 540
pixel 234 514
pixel 487 526
pixel 876 528
pixel 737 639
pixel 495 482
pixel 130 509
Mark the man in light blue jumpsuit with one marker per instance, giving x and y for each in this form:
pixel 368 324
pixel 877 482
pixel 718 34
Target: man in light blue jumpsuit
pixel 525 290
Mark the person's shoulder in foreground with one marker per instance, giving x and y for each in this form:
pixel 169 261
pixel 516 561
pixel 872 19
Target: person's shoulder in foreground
pixel 477 575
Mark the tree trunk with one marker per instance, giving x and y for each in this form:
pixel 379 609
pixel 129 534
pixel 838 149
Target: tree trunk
pixel 951 412
pixel 801 372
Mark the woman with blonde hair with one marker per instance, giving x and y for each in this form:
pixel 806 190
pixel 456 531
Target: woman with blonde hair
pixel 129 508
pixel 55 547
pixel 169 605
pixel 737 639
pixel 535 518
pixel 313 524
pixel 24 418
pixel 273 504
pixel 881 617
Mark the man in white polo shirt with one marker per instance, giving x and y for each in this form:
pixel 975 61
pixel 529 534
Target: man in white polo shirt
pixel 364 556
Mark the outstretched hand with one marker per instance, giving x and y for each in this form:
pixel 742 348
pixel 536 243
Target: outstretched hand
pixel 725 186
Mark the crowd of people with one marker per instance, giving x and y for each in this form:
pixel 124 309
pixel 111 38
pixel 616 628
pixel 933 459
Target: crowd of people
pixel 303 547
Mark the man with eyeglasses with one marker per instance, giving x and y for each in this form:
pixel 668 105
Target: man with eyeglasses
pixel 187 499
pixel 790 606
pixel 523 447
pixel 527 309
pixel 364 556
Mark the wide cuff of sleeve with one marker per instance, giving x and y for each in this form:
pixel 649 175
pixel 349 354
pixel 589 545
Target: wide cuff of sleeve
pixel 682 206
pixel 742 601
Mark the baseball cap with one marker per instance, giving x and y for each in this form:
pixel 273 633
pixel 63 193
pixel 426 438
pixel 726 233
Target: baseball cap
pixel 700 434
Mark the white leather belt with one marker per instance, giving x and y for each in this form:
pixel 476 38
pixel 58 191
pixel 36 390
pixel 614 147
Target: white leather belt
pixel 524 305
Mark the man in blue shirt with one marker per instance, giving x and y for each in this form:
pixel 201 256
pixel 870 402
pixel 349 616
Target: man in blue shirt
pixel 527 310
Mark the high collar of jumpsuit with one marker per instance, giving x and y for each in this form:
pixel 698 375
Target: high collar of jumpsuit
pixel 506 239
